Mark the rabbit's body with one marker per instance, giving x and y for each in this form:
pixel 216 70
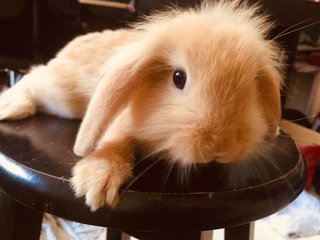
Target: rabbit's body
pixel 65 85
pixel 194 85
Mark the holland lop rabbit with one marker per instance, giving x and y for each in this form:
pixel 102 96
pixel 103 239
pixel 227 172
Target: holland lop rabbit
pixel 195 85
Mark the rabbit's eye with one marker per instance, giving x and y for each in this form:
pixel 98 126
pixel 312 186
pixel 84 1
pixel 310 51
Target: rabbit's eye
pixel 179 78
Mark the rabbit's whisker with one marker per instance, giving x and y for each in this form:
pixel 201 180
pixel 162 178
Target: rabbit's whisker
pixel 303 118
pixel 135 179
pixel 296 30
pixel 292 26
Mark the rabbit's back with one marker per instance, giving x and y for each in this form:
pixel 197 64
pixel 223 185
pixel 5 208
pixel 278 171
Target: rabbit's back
pixel 90 51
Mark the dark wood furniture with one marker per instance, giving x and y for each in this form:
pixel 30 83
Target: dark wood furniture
pixel 35 163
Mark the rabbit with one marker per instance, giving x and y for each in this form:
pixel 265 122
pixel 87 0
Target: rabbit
pixel 193 85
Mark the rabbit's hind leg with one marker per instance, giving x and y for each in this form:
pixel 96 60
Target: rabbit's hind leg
pixel 53 88
pixel 17 102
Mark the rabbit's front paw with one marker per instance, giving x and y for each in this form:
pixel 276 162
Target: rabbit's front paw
pixel 99 180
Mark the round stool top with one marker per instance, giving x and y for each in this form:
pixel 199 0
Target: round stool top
pixel 36 160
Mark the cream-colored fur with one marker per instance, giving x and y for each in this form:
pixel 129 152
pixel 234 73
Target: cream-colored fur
pixel 121 83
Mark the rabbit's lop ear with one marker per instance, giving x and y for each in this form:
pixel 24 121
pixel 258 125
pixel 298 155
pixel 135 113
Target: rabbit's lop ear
pixel 269 84
pixel 122 76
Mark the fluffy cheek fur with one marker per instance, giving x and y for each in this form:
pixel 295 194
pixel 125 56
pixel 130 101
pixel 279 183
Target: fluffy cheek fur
pixel 171 124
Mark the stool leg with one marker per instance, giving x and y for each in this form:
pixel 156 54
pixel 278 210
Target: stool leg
pixel 115 234
pixel 242 232
pixel 192 235
pixel 178 235
pixel 17 221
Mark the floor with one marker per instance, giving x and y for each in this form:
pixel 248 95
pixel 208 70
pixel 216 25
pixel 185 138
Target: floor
pixel 264 232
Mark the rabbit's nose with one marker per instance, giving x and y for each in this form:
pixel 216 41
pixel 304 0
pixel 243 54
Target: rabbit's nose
pixel 217 157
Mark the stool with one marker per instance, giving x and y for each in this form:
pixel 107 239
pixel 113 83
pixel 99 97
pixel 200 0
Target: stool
pixel 161 202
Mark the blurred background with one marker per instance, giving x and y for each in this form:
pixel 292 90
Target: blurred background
pixel 33 31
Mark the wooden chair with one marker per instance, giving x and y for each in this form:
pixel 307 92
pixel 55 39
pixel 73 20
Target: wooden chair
pixel 35 163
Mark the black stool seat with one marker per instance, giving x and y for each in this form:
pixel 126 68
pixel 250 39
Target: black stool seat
pixel 36 160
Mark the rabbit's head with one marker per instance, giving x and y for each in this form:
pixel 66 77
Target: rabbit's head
pixel 202 85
